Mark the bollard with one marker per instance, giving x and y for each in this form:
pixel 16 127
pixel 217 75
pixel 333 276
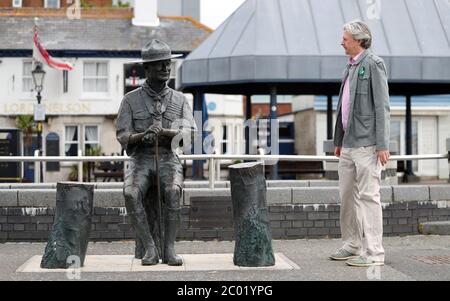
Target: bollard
pixel 70 233
pixel 253 246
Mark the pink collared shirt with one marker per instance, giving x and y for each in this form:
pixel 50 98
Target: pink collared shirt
pixel 346 94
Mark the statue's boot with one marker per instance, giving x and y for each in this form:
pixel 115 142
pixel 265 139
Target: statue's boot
pixel 139 249
pixel 135 209
pixel 151 255
pixel 143 233
pixel 170 257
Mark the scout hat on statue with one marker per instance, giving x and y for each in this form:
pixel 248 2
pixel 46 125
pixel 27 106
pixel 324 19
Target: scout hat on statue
pixel 156 50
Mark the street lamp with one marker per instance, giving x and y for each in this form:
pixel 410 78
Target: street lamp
pixel 38 78
pixel 38 75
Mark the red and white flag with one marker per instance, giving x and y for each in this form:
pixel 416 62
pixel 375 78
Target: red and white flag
pixel 40 54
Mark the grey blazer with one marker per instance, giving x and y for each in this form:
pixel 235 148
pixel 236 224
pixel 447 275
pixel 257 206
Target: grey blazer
pixel 369 115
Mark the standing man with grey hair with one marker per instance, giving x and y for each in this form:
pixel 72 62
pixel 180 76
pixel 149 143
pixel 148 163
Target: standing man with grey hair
pixel 362 144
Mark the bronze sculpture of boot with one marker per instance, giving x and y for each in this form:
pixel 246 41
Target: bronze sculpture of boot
pixel 170 257
pixel 138 218
pixel 151 255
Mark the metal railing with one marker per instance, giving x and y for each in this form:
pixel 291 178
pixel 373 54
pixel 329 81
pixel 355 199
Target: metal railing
pixel 214 171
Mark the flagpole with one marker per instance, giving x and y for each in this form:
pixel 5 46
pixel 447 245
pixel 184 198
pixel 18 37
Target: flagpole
pixel 39 97
pixel 36 19
pixel 41 56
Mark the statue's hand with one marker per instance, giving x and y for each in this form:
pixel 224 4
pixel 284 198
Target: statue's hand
pixel 154 128
pixel 149 138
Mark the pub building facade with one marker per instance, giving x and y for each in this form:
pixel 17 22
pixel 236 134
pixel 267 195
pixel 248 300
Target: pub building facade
pixel 80 105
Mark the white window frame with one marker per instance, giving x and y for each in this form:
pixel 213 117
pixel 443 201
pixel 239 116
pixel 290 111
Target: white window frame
pixel 96 95
pixel 81 139
pixel 27 94
pixel 70 142
pixel 85 142
pixel 17 3
pixel 46 5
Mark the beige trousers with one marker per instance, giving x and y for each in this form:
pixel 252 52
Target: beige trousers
pixel 361 216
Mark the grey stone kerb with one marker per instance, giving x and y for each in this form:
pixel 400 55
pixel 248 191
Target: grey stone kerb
pixel 293 195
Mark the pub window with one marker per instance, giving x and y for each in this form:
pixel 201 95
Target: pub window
pixel 91 138
pixel 95 77
pixel 72 140
pixel 51 4
pixel 17 3
pixel 27 80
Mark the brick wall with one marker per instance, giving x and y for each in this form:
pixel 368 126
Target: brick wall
pixel 89 13
pixel 287 222
pixel 297 209
pixel 63 3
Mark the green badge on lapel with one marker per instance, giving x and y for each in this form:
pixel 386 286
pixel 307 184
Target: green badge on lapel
pixel 362 71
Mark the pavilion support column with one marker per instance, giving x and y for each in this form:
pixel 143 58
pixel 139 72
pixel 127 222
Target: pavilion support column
pixel 408 138
pixel 274 131
pixel 197 166
pixel 329 117
pixel 248 116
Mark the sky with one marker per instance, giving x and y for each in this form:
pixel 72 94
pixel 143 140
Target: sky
pixel 214 12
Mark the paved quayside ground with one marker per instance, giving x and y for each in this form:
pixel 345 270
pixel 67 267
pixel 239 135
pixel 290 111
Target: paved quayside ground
pixel 407 258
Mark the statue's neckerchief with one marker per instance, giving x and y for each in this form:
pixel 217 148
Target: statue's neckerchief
pixel 160 100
